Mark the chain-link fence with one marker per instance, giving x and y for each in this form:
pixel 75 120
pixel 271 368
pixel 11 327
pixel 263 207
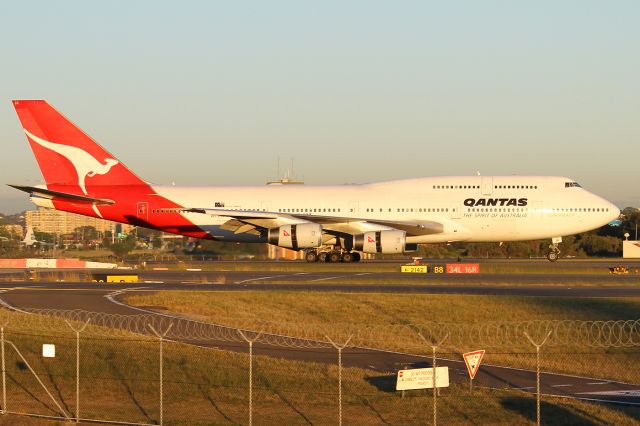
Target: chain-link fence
pixel 157 369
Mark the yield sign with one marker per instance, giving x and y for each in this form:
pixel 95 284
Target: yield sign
pixel 473 360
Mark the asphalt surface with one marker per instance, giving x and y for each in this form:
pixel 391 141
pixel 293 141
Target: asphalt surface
pixel 560 290
pixel 99 297
pixel 521 284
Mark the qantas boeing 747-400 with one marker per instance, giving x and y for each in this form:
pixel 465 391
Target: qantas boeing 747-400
pixel 333 223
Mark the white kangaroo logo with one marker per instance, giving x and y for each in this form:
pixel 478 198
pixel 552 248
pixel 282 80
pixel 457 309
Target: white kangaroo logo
pixel 84 163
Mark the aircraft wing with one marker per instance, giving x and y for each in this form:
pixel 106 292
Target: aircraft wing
pixel 248 221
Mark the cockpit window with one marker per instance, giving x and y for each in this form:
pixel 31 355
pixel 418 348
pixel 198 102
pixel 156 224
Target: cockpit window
pixel 572 184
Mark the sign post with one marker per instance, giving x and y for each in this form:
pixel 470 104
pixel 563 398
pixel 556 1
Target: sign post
pixel 472 360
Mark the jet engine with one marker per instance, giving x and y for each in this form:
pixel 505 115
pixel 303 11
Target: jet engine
pixel 387 242
pixel 296 236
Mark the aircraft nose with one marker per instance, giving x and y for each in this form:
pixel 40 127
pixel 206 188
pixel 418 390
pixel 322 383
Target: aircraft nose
pixel 615 211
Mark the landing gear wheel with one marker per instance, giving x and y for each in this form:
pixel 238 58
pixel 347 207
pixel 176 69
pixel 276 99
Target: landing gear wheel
pixel 554 252
pixel 347 257
pixel 356 256
pixel 334 257
pixel 322 257
pixel 311 256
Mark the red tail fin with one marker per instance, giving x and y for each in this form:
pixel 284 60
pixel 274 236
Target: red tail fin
pixel 66 155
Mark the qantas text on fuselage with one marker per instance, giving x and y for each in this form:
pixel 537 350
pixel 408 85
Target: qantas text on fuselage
pixel 472 202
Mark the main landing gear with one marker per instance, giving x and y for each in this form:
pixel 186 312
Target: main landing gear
pixel 333 256
pixel 554 251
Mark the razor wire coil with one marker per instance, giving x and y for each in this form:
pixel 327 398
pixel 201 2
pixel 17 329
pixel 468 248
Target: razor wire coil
pixel 593 334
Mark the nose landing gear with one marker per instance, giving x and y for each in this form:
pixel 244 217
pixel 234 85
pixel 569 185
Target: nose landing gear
pixel 554 251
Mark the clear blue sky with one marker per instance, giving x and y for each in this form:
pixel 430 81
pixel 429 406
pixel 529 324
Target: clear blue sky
pixel 214 92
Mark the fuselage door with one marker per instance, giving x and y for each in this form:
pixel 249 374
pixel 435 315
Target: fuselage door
pixel 142 211
pixel 353 210
pixel 456 212
pixel 487 185
pixel 538 209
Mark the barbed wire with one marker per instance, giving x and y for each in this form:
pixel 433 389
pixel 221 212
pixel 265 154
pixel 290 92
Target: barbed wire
pixel 574 333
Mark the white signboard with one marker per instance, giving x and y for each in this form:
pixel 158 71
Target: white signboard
pixel 631 249
pixel 422 378
pixel 49 351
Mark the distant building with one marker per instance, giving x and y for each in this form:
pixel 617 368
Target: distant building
pixel 58 222
pixel 285 181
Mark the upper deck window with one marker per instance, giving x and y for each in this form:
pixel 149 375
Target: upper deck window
pixel 572 184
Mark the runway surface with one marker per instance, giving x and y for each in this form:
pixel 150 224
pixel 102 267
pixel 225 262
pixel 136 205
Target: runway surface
pixel 478 289
pixel 104 298
pixel 522 284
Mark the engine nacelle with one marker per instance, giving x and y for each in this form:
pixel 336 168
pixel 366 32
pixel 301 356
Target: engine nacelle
pixel 388 242
pixel 296 236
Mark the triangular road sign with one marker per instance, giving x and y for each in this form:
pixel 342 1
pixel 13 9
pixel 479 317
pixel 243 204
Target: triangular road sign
pixel 473 360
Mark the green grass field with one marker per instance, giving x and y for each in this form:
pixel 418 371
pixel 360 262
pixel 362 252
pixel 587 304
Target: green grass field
pixel 385 309
pixel 390 321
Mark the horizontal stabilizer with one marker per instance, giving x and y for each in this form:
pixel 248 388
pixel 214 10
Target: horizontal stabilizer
pixel 46 193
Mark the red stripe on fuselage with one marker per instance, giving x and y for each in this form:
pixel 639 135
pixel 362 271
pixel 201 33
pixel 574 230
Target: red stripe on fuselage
pixel 126 208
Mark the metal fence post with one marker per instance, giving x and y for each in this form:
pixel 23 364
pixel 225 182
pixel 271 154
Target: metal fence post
pixel 339 348
pixel 250 342
pixel 161 337
pixel 77 331
pixel 4 374
pixel 434 347
pixel 538 372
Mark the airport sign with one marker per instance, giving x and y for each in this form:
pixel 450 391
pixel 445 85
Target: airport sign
pixel 414 269
pixel 449 268
pixel 422 378
pixel 463 268
pixel 472 361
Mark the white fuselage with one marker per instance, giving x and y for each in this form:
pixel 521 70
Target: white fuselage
pixel 470 208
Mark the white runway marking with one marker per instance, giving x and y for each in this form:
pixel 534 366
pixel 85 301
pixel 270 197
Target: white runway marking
pixel 259 279
pixel 328 278
pixel 322 279
pixel 559 386
pixel 631 392
pixel 340 276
